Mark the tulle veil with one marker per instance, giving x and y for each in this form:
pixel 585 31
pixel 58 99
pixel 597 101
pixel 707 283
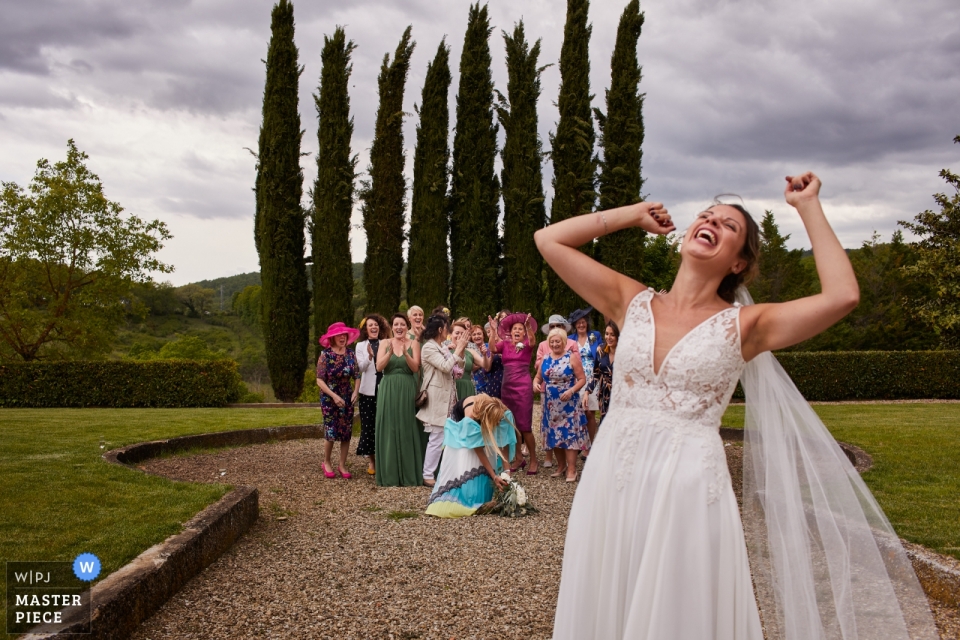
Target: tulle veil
pixel 826 562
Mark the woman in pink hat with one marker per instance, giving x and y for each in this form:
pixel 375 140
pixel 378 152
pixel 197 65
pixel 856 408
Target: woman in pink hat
pixel 517 332
pixel 336 367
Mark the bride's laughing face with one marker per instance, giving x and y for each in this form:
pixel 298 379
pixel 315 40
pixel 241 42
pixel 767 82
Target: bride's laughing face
pixel 717 236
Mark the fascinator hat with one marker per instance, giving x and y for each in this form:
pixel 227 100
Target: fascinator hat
pixel 337 329
pixel 503 328
pixel 578 314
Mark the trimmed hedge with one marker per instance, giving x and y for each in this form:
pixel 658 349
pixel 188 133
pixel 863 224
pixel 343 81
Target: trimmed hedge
pixel 872 375
pixel 111 383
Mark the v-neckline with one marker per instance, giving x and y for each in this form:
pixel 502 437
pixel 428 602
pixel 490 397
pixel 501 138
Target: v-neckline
pixel 653 342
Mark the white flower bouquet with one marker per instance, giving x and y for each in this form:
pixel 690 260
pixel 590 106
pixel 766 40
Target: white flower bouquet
pixel 511 502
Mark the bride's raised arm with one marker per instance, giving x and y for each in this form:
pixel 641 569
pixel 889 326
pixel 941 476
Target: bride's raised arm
pixel 606 290
pixel 767 327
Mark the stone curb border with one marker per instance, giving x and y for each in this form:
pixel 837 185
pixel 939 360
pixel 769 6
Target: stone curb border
pixel 134 592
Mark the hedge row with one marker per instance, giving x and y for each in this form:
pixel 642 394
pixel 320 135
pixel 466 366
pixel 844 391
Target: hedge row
pixel 873 375
pixel 159 383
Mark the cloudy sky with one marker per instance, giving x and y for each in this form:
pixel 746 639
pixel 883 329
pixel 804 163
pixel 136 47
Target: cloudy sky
pixel 164 95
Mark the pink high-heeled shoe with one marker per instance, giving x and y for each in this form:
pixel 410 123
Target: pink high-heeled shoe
pixel 328 474
pixel 345 474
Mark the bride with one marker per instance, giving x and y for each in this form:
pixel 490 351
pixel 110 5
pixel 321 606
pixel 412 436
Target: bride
pixel 655 546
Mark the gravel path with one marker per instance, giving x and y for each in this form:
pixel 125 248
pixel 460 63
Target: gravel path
pixel 346 559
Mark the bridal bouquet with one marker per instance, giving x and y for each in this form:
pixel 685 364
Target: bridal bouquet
pixel 511 502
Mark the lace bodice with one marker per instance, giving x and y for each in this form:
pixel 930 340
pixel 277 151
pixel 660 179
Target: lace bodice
pixel 688 395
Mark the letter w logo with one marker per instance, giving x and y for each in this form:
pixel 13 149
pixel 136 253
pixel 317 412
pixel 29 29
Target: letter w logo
pixel 86 567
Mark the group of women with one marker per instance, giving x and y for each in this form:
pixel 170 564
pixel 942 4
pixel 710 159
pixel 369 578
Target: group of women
pixel 410 373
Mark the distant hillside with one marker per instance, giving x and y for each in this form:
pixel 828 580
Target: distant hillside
pixel 231 284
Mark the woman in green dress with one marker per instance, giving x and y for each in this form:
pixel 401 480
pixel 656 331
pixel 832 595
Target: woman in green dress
pixel 472 360
pixel 400 442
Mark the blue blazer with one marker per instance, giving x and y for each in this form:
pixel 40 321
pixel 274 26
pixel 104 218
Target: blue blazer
pixel 596 341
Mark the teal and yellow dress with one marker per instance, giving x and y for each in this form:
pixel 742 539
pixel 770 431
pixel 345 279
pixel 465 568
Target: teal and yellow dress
pixel 400 443
pixel 463 485
pixel 465 386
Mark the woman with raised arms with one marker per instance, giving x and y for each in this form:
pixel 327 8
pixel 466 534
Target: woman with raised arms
pixel 655 547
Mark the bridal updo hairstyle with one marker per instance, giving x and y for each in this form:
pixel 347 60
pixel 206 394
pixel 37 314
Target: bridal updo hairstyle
pixel 750 253
pixel 434 325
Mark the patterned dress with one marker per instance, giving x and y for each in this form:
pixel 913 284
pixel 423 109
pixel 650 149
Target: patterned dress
pixel 564 424
pixel 489 382
pixel 602 381
pixel 336 370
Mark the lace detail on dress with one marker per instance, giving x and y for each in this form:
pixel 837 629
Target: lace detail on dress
pixel 687 397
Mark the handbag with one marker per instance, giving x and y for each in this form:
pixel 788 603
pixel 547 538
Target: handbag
pixel 422 398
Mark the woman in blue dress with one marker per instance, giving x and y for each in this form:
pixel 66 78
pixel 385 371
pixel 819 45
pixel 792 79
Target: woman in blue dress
pixel 564 425
pixel 477 439
pixel 587 342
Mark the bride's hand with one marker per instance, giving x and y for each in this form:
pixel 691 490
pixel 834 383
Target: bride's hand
pixel 801 189
pixel 653 217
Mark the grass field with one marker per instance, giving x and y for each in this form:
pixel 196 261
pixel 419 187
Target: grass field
pixel 58 498
pixel 916 463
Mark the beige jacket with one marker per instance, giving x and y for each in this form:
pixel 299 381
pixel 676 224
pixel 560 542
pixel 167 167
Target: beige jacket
pixel 436 374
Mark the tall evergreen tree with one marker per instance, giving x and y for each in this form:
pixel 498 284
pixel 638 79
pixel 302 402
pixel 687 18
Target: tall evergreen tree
pixel 622 136
pixel 428 270
pixel 522 177
pixel 333 189
pixel 475 189
pixel 385 195
pixel 279 219
pixel 574 162
pixel 782 276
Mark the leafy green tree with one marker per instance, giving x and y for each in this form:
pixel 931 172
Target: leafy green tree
pixel 333 189
pixel 621 131
pixel 475 188
pixel 522 176
pixel 384 196
pixel 574 162
pixel 155 299
pixel 188 348
pixel 661 261
pixel 782 276
pixel 938 261
pixel 883 321
pixel 428 269
pixel 279 219
pixel 68 260
pixel 247 305
pixel 196 299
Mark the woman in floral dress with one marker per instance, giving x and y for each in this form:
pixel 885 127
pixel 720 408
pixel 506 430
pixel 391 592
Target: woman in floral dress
pixel 564 425
pixel 336 367
pixel 602 382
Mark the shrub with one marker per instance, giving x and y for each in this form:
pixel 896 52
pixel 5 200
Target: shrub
pixel 157 383
pixel 873 375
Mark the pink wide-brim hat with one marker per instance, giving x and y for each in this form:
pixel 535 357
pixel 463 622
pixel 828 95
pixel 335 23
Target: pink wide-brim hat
pixel 503 329
pixel 337 329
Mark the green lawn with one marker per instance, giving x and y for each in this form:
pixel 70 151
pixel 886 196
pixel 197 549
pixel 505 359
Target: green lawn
pixel 916 463
pixel 58 497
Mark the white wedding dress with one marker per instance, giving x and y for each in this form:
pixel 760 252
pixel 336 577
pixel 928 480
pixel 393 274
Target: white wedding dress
pixel 655 546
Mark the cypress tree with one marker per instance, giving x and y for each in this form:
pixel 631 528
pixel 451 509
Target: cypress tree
pixel 475 189
pixel 522 177
pixel 622 136
pixel 574 162
pixel 384 196
pixel 428 270
pixel 333 189
pixel 279 218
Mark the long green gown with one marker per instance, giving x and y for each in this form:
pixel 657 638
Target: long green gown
pixel 400 439
pixel 465 387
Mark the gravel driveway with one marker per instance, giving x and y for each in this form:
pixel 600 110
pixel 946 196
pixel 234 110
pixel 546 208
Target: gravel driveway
pixel 346 559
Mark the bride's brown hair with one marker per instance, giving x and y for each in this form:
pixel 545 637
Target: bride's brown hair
pixel 750 253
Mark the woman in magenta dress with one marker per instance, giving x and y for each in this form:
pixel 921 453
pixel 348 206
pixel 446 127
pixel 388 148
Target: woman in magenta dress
pixel 517 333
